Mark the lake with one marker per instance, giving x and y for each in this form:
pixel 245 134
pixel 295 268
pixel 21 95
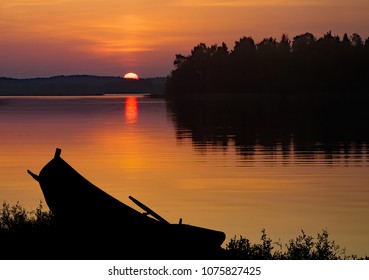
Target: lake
pixel 208 166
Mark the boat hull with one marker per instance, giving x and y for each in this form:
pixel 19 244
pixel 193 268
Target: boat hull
pixel 84 212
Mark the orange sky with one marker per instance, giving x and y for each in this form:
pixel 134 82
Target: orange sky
pixel 42 38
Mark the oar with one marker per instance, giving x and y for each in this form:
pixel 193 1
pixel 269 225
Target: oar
pixel 148 210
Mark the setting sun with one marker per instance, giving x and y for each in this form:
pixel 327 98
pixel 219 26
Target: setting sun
pixel 131 76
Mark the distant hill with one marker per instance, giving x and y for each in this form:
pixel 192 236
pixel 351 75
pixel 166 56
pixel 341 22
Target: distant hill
pixel 80 85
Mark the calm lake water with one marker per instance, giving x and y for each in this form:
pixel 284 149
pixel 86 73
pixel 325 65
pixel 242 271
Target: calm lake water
pixel 212 176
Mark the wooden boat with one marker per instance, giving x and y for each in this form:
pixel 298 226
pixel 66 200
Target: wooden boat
pixel 85 212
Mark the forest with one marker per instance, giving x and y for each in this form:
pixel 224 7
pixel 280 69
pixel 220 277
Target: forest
pixel 305 64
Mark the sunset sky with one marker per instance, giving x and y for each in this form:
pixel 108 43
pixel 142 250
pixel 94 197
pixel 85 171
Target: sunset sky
pixel 43 38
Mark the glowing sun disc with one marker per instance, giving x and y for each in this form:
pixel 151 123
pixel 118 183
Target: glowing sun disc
pixel 130 75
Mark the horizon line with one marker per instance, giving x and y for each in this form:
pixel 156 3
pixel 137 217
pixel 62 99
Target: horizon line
pixel 76 75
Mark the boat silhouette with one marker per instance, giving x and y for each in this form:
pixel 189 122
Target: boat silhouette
pixel 91 223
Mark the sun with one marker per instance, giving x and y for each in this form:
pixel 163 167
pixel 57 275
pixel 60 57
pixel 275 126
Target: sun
pixel 131 76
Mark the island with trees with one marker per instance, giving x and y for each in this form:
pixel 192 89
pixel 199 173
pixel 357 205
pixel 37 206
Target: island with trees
pixel 304 64
pixel 309 94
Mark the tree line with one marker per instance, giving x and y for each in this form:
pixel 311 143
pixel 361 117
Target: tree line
pixel 79 85
pixel 304 64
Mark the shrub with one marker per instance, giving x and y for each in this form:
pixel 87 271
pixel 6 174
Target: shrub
pixel 16 219
pixel 303 247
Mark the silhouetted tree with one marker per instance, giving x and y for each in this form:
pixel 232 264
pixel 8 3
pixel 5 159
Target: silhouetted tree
pixel 218 69
pixel 244 47
pixel 305 64
pixel 303 42
pixel 285 44
pixel 356 40
pixel 345 40
pixel 179 61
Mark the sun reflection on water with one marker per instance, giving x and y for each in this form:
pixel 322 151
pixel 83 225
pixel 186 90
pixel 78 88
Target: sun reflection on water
pixel 131 110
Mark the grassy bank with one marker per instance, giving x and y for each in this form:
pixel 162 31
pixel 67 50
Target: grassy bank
pixel 30 234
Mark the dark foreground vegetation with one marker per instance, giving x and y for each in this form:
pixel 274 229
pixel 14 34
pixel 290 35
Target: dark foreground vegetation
pixel 304 64
pixel 33 235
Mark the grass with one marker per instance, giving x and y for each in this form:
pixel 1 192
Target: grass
pixel 19 228
pixel 16 219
